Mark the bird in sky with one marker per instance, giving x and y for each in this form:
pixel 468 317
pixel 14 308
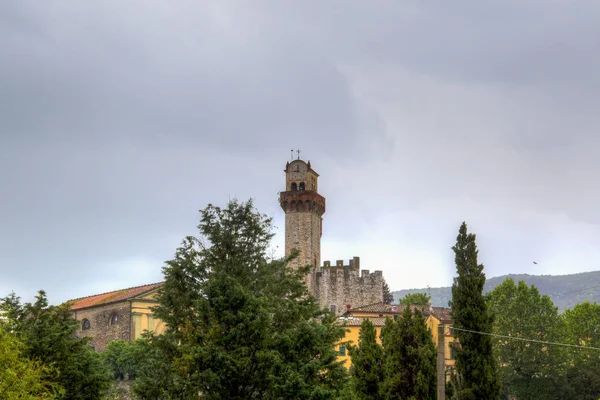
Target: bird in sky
pixel 535 263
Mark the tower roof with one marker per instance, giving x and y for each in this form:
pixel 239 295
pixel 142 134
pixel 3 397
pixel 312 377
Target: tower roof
pixel 298 161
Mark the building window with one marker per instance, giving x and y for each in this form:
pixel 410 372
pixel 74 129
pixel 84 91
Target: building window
pixel 302 186
pixel 452 353
pixel 85 324
pixel 114 319
pixel 342 350
pixel 294 187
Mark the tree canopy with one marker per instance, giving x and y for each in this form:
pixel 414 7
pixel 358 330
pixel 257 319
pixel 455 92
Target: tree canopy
pixel 245 325
pixel 475 362
pixel 420 299
pixel 48 335
pixel 409 358
pixel 582 324
pixel 367 363
pixel 388 297
pixel 22 377
pixel 527 370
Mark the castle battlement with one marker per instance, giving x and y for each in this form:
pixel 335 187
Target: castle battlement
pixel 335 285
pixel 354 263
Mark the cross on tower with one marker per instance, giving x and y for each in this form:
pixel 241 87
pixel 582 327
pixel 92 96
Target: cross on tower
pixel 298 151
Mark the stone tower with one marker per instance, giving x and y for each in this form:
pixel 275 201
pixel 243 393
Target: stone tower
pixel 304 208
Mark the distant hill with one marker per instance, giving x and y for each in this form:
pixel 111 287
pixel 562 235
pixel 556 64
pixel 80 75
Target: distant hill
pixel 564 290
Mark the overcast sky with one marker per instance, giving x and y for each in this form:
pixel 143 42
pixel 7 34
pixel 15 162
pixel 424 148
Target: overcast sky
pixel 119 120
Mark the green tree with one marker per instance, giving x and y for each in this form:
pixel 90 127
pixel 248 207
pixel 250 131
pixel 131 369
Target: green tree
pixel 367 363
pixel 244 325
pixel 475 361
pixel 48 333
pixel 527 370
pixel 124 359
pixel 388 297
pixel 583 329
pixel 21 377
pixel 409 358
pixel 420 299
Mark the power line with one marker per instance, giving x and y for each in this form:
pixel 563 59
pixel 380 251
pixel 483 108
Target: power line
pixel 527 340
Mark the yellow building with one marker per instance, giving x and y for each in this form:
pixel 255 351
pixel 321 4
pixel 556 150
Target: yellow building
pixel 437 316
pixel 377 313
pixel 123 314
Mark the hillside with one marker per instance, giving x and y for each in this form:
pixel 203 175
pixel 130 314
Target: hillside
pixel 564 290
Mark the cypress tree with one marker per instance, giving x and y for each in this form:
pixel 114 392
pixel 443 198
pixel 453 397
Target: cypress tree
pixel 475 361
pixel 367 359
pixel 388 297
pixel 409 358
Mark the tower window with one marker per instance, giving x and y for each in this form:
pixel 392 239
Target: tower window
pixel 302 186
pixel 85 324
pixel 294 187
pixel 114 319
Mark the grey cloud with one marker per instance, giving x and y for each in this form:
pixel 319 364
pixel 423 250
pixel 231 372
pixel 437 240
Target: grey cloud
pixel 119 120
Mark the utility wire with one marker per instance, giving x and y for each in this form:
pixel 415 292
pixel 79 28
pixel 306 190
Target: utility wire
pixel 527 340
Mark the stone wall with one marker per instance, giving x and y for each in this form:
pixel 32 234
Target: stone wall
pixel 341 286
pixel 101 331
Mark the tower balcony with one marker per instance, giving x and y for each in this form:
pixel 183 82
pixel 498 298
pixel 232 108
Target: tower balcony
pixel 302 201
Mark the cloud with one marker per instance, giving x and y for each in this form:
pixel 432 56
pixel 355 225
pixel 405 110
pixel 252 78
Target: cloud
pixel 118 121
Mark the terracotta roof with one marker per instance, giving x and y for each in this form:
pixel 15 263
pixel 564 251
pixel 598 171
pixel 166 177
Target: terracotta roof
pixel 377 308
pixel 357 321
pixel 442 313
pixel 111 297
pixel 381 308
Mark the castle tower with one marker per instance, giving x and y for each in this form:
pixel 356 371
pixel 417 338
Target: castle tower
pixel 304 208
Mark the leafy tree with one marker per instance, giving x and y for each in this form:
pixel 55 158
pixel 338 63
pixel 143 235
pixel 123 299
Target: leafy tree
pixel 527 370
pixel 475 360
pixel 388 297
pixel 21 377
pixel 367 363
pixel 124 359
pixel 409 358
pixel 583 329
pixel 48 333
pixel 240 325
pixel 420 299
pixel 114 357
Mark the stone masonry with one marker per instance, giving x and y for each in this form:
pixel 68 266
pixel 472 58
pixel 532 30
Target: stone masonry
pixel 101 330
pixel 341 287
pixel 336 286
pixel 303 208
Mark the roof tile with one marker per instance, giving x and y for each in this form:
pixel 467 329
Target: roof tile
pixel 110 297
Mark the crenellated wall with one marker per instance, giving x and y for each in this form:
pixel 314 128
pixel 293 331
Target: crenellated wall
pixel 340 286
pixel 335 286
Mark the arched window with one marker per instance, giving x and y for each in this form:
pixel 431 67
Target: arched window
pixel 114 319
pixel 294 187
pixel 85 324
pixel 302 186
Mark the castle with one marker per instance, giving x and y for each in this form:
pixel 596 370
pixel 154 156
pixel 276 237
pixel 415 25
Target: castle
pixel 338 287
pixel 127 313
